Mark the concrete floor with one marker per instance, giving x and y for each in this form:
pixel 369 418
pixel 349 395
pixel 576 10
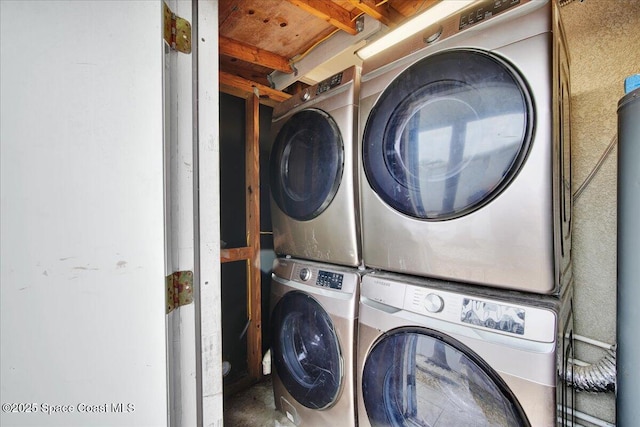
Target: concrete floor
pixel 254 407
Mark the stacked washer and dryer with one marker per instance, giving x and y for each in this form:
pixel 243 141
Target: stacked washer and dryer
pixel 316 278
pixel 465 199
pixel 453 193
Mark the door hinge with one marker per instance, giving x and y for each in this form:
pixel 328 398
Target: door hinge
pixel 179 289
pixel 177 31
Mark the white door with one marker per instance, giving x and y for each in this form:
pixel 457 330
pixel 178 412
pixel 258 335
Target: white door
pixel 84 249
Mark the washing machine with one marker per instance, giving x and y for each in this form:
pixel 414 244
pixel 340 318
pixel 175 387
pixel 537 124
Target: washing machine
pixel 435 353
pixel 314 324
pixel 465 157
pixel 313 172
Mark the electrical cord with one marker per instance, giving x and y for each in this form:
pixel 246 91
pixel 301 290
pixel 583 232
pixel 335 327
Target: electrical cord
pixel 595 169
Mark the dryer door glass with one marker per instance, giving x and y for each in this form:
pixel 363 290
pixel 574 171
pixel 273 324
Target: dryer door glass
pixel 306 164
pixel 306 352
pixel 448 134
pixel 418 377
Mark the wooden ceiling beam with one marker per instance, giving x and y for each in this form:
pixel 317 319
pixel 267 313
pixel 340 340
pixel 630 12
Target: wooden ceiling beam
pixel 238 86
pixel 337 16
pixel 383 13
pixel 242 69
pixel 253 54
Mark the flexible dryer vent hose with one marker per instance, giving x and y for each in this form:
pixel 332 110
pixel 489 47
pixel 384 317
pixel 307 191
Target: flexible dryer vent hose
pixel 599 377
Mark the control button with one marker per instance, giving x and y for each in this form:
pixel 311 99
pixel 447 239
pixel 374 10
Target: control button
pixel 305 95
pixel 435 35
pixel 433 303
pixel 336 80
pixel 305 274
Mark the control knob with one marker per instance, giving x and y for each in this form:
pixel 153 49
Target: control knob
pixel 306 94
pixel 433 303
pixel 305 274
pixel 434 34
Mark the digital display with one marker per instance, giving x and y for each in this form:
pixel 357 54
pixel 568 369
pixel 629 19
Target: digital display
pixel 328 279
pixel 330 83
pixel 493 316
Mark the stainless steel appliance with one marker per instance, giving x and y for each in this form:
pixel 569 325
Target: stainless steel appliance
pixel 314 323
pixel 465 156
pixel 313 173
pixel 433 353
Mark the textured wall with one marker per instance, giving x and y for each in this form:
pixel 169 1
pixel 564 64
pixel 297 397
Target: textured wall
pixel 604 45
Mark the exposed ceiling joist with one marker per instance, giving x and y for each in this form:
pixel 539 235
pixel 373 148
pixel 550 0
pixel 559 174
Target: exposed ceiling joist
pixel 243 69
pixel 253 55
pixel 383 13
pixel 241 87
pixel 270 45
pixel 334 14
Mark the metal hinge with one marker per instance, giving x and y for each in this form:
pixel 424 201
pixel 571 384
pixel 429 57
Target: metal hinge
pixel 177 31
pixel 179 289
pixel 360 23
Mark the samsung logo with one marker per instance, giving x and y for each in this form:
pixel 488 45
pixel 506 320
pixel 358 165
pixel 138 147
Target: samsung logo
pixel 381 283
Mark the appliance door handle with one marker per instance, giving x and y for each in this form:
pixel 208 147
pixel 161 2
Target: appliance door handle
pixel 376 305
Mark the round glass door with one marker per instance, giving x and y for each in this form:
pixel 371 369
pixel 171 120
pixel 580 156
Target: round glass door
pixel 448 134
pixel 306 351
pixel 418 377
pixel 306 164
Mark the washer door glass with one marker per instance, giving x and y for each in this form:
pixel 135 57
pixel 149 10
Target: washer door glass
pixel 448 134
pixel 418 377
pixel 306 164
pixel 306 351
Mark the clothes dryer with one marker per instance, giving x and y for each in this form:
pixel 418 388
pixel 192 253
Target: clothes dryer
pixel 433 353
pixel 313 172
pixel 465 168
pixel 314 323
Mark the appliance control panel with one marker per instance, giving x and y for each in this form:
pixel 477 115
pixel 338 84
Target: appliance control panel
pixel 345 82
pixel 530 322
pixel 478 13
pixel 309 274
pixel 492 315
pixel 329 83
pixel 482 313
pixel 329 279
pixel 484 10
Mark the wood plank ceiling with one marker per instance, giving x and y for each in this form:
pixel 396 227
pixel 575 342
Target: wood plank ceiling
pixel 258 37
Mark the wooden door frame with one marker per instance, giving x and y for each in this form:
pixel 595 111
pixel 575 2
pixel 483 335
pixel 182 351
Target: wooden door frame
pixel 251 252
